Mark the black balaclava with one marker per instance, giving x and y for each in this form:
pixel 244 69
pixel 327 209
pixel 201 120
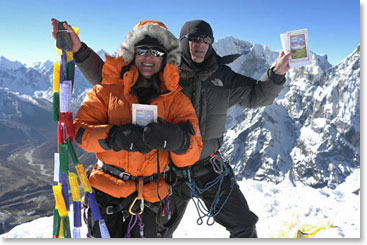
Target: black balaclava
pixel 202 28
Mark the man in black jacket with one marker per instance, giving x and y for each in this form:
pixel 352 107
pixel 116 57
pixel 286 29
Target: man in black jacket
pixel 212 88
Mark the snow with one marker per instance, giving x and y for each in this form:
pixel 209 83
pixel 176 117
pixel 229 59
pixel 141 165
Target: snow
pixel 41 66
pixel 282 210
pixel 280 205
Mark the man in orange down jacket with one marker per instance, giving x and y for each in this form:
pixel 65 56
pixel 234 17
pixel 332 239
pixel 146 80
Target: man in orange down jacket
pixel 129 177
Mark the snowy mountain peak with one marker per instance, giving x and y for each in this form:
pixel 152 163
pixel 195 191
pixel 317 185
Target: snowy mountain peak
pixel 9 65
pixel 41 66
pixel 321 61
pixel 232 45
pixel 255 58
pixel 353 59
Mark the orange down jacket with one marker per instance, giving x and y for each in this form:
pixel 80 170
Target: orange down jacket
pixel 110 103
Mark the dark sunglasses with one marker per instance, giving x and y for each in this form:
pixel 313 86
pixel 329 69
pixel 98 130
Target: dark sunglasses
pixel 156 52
pixel 196 38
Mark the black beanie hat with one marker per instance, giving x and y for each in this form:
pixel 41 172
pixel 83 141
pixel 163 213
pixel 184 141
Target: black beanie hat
pixel 150 41
pixel 196 27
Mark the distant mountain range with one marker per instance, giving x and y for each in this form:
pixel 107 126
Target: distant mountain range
pixel 311 133
pixel 311 130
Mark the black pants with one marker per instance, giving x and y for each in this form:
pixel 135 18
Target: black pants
pixel 235 215
pixel 116 225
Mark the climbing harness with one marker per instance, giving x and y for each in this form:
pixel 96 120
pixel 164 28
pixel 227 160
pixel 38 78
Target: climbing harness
pixel 130 209
pixel 133 206
pixel 141 180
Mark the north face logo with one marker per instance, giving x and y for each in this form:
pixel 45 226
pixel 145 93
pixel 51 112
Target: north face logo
pixel 217 82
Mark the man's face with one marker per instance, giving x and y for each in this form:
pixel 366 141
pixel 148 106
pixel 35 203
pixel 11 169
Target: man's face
pixel 198 50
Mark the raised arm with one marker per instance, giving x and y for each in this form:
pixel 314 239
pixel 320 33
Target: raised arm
pixel 88 62
pixel 250 93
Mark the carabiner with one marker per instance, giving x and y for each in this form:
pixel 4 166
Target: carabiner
pixel 141 206
pixel 217 163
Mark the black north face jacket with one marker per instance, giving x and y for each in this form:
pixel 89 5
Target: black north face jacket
pixel 217 88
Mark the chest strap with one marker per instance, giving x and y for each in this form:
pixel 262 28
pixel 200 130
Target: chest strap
pixel 120 173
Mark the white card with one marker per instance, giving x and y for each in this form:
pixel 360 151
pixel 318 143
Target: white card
pixel 296 41
pixel 144 114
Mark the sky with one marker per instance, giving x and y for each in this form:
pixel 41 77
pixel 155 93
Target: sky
pixel 336 213
pixel 333 25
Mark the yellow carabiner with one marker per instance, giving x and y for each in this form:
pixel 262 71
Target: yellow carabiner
pixel 141 206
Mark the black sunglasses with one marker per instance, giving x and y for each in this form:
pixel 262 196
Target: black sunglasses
pixel 156 52
pixel 196 38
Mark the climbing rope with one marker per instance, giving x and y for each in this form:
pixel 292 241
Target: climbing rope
pixel 196 192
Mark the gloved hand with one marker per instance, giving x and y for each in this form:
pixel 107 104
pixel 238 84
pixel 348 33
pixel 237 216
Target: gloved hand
pixel 127 137
pixel 166 136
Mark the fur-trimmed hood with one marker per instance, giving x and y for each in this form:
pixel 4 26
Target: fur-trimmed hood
pixel 154 29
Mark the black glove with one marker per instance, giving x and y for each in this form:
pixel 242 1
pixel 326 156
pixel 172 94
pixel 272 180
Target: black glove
pixel 127 137
pixel 166 136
